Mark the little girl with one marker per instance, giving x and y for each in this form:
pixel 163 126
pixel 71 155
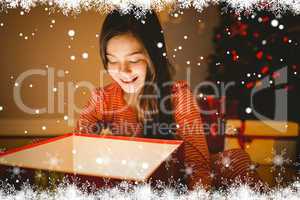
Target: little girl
pixel 143 101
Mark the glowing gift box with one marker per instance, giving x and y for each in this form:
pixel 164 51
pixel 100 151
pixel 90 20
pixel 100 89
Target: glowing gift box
pixel 263 139
pixel 116 157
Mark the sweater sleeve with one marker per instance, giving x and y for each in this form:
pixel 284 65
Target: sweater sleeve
pixel 190 130
pixel 92 113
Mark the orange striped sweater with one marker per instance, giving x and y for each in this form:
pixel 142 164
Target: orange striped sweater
pixel 107 105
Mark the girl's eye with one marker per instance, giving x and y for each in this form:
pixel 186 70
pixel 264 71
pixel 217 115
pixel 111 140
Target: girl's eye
pixel 110 62
pixel 134 61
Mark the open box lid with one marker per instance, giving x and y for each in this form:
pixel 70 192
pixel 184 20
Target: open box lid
pixel 118 157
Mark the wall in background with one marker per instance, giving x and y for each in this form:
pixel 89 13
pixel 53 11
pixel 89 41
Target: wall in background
pixel 39 40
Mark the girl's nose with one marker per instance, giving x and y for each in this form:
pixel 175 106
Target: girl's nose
pixel 125 68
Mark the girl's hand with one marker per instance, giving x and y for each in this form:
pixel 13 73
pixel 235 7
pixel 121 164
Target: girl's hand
pixel 106 131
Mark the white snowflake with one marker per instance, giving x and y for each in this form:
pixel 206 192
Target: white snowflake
pixel 16 173
pixel 225 162
pixel 279 160
pixel 279 163
pixel 212 175
pixel 188 170
pixel 106 180
pixel 38 174
pixel 85 55
pixel 253 167
pixel 71 33
pixel 53 161
pixel 159 44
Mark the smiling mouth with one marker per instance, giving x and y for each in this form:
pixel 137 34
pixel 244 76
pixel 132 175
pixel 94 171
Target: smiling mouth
pixel 130 81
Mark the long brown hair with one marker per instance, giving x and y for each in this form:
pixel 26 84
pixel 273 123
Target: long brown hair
pixel 147 29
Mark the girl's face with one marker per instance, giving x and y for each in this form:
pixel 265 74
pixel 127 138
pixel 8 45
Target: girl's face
pixel 127 62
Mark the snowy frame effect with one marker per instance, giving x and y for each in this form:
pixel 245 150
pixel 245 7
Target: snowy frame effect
pixel 105 6
pixel 143 191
